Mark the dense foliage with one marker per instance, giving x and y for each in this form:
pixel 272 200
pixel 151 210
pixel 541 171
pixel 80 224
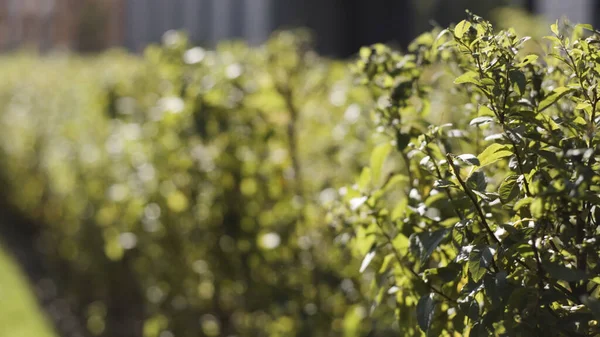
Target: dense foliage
pixel 193 192
pixel 179 194
pixel 479 214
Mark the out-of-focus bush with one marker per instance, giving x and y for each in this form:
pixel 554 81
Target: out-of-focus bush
pixel 180 194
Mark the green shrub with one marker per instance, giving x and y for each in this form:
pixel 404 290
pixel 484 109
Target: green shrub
pixel 478 214
pixel 180 193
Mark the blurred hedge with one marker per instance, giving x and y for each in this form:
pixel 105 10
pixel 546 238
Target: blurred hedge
pixel 179 194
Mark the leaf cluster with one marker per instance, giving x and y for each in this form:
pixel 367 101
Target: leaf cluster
pixel 488 221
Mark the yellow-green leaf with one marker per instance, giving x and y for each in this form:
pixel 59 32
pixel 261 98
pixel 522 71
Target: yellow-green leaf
pixel 378 157
pixel 554 28
pixel 365 178
pixel 553 97
pixel 493 153
pixel 527 60
pixel 582 105
pixel 468 77
pixel 461 28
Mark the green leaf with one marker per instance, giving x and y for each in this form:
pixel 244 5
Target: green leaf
pixel 425 312
pixel 527 60
pixel 481 120
pixel 468 77
pixel 555 41
pixel 560 272
pixel 368 258
pixel 425 243
pixel 554 28
pixel 522 202
pixel 537 208
pixel 386 263
pixel 364 52
pixel 496 286
pixel 493 153
pixel 378 157
pixel 445 274
pixel 484 110
pixel 461 28
pixel 582 105
pixel 509 189
pixel 480 259
pixel 519 81
pixel 593 304
pixel 469 159
pixel 551 158
pixel 477 182
pixel 585 26
pixel 553 97
pixel 365 178
pixel 579 120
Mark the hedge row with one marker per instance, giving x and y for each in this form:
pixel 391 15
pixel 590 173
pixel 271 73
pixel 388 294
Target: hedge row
pixel 195 192
pixel 179 193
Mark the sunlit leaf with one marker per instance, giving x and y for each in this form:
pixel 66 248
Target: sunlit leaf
pixel 493 153
pixel 461 28
pixel 378 156
pixel 367 259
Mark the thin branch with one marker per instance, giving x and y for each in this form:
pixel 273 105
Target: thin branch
pixel 401 262
pixel 473 199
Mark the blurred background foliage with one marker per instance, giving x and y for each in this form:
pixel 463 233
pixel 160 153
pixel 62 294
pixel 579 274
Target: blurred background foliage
pixel 20 314
pixel 179 194
pixel 184 192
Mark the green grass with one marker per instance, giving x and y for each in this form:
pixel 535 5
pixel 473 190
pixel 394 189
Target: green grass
pixel 20 314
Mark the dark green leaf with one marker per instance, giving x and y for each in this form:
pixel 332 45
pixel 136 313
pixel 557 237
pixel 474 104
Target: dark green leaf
pixel 425 312
pixel 480 259
pixel 477 181
pixel 551 158
pixel 594 305
pixel 402 140
pixel 469 159
pixel 445 274
pixel 425 243
pixel 560 272
pixel 518 79
pixel 509 189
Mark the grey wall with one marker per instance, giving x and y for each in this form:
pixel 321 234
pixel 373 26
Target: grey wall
pixel 341 26
pixel 205 21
